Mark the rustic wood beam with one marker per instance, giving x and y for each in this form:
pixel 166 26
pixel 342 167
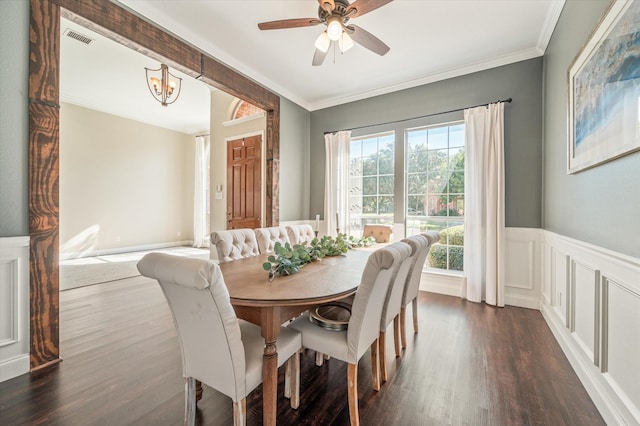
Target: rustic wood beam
pixel 44 145
pixel 118 24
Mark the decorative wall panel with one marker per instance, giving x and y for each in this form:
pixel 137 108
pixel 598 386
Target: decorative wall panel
pixel 14 307
pixel 599 328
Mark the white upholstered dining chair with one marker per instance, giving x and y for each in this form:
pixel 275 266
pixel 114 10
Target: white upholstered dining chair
pixel 234 244
pixel 410 294
pixel 268 237
pixel 393 301
pixel 362 333
pixel 300 234
pixel 217 349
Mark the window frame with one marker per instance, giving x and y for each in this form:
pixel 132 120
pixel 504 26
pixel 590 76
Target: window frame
pixel 446 221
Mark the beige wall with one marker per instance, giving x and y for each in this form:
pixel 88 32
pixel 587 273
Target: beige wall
pixel 220 112
pixel 123 184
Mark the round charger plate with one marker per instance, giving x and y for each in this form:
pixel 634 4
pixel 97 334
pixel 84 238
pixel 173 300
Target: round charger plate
pixel 332 316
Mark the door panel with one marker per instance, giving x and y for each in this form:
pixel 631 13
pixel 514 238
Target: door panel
pixel 244 166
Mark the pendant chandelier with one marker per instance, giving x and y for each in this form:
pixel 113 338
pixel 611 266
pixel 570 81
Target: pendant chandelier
pixel 164 86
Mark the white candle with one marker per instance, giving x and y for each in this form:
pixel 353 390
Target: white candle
pixel 317 222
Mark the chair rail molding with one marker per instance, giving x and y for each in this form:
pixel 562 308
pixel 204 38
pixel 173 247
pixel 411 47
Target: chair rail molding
pixel 14 307
pixel 591 301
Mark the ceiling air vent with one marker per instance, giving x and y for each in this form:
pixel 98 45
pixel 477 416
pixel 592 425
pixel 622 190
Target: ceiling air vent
pixel 77 36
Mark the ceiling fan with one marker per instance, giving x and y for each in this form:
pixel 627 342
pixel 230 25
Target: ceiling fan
pixel 335 14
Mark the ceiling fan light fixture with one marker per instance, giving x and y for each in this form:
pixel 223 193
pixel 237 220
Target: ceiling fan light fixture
pixel 334 28
pixel 323 42
pixel 345 43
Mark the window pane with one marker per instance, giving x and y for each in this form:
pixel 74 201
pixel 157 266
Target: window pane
pixel 370 185
pixel 456 159
pixel 417 139
pixel 437 160
pixel 355 167
pixel 386 185
pixel 437 182
pixel 355 186
pixel 456 182
pixel 385 204
pixel 385 161
pixel 370 166
pixel 415 205
pixel 369 204
pixel 438 137
pixel 369 147
pixel 456 135
pixel 417 160
pixel 417 183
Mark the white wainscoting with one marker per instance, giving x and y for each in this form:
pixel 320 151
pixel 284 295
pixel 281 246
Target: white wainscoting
pixel 14 307
pixel 522 286
pixel 591 302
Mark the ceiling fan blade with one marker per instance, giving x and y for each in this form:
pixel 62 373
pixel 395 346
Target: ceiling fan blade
pixel 318 57
pixel 360 7
pixel 368 40
pixel 327 5
pixel 289 23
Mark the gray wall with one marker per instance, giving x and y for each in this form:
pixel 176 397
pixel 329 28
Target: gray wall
pixel 521 81
pixel 14 115
pixel 599 205
pixel 294 161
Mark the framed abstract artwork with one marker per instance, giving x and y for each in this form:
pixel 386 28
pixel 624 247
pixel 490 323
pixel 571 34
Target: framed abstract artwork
pixel 604 90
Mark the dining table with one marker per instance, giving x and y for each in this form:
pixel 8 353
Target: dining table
pixel 269 304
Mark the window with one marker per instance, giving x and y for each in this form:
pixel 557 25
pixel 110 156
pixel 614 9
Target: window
pixel 435 190
pixel 371 181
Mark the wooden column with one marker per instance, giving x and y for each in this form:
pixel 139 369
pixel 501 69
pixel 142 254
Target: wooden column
pixel 44 57
pixel 272 180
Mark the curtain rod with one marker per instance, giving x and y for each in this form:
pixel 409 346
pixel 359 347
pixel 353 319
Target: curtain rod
pixel 422 116
pixel 207 134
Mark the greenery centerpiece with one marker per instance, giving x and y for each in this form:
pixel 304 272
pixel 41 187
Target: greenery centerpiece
pixel 287 259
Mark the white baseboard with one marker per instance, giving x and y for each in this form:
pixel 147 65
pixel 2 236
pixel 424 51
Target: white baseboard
pixel 522 301
pixel 104 252
pixel 583 369
pixel 14 367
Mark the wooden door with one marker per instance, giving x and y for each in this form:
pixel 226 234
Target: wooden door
pixel 244 193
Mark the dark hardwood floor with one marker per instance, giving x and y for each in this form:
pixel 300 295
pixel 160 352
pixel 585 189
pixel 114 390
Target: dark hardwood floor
pixel 469 365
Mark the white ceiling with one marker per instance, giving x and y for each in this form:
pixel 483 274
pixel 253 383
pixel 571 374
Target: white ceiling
pixel 430 40
pixel 109 77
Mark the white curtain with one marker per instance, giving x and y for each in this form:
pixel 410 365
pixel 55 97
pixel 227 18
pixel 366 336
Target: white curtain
pixel 200 196
pixel 336 182
pixel 484 204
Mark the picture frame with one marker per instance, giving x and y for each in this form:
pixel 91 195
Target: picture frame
pixel 604 91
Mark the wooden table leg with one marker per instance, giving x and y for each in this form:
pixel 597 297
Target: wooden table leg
pixel 270 326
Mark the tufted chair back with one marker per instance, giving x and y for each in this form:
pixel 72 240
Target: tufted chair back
pixel 381 233
pixel 412 286
pixel 207 327
pixel 235 244
pixel 268 237
pixel 396 289
pixel 300 234
pixel 366 311
pixel 217 349
pixel 422 244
